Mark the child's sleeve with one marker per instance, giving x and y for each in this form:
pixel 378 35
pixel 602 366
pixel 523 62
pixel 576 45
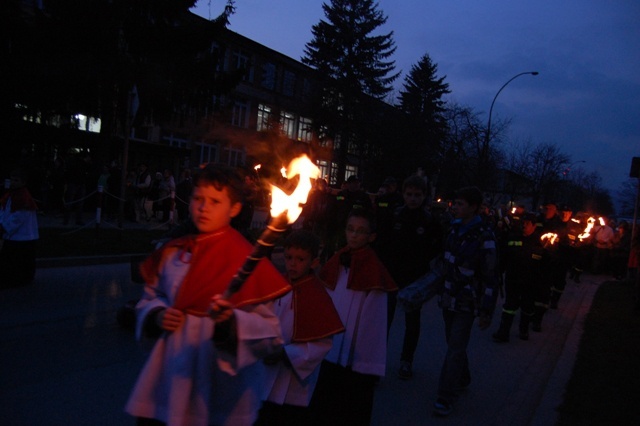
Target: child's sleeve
pixel 258 335
pixel 153 300
pixel 305 357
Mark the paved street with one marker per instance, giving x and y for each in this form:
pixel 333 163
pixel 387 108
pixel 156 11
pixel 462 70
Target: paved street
pixel 65 361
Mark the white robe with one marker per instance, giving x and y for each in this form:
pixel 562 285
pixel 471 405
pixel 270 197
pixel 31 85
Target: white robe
pixel 363 345
pixel 294 385
pixel 186 381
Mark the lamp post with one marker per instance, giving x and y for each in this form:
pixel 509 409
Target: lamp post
pixel 487 140
pixel 496 97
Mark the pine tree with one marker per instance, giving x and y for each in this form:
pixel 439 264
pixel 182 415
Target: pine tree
pixel 352 62
pixel 423 92
pixel 421 101
pixel 343 48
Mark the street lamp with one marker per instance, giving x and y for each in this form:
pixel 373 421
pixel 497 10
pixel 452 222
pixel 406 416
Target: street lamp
pixel 484 153
pixel 496 97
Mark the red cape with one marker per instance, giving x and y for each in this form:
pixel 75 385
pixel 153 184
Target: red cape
pixel 366 271
pixel 314 316
pixel 20 200
pixel 215 259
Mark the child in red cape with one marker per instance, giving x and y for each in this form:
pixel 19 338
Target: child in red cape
pixel 308 320
pixel 205 368
pixel 19 232
pixel 358 284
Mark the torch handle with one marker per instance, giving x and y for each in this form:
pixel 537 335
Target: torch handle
pixel 261 249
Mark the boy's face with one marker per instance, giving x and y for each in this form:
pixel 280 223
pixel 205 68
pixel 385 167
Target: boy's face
pixel 211 209
pixel 461 209
pixel 413 197
pixel 528 227
pixel 358 233
pixel 298 262
pixel 17 182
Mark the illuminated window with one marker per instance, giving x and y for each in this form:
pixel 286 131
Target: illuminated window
pixel 207 153
pixel 288 123
pixel 304 129
pixel 88 124
pixel 350 170
pixel 264 117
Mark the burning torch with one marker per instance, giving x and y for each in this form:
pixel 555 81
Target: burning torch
pixel 549 239
pixel 285 209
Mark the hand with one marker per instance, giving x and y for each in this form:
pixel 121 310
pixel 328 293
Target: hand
pixel 170 319
pixel 220 309
pixel 484 322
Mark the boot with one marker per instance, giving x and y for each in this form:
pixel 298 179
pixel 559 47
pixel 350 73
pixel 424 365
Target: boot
pixel 525 319
pixel 502 335
pixel 536 320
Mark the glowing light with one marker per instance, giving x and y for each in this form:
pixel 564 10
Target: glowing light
pixel 587 231
pixel 549 237
pixel 281 202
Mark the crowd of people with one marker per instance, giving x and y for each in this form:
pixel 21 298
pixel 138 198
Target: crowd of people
pixel 353 260
pixel 307 345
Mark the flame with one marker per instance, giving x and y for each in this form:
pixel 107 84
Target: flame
pixel 550 236
pixel 586 233
pixel 601 220
pixel 283 170
pixel 281 202
pixel 513 210
pixel 257 167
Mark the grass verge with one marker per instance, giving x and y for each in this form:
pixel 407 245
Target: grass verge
pixel 604 388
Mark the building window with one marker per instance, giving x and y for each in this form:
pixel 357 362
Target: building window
pixel 288 123
pixel 207 153
pixel 264 117
pixel 306 88
pixel 304 129
pixel 350 170
pixel 333 178
pixel 288 83
pixel 325 169
pixel 235 157
pixel 88 124
pixel 240 114
pixel 241 62
pixel 268 76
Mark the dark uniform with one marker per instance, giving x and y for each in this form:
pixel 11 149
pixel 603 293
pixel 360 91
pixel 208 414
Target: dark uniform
pixel 415 239
pixel 556 268
pixel 523 262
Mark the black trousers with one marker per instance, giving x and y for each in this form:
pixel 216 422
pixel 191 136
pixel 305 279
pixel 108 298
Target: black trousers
pixel 342 397
pixel 17 263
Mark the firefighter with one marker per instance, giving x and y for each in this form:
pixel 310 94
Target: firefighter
pixel 524 258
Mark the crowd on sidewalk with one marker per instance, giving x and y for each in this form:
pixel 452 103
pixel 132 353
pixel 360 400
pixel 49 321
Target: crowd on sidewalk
pixel 310 346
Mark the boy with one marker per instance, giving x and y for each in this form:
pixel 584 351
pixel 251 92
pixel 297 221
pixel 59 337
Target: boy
pixel 204 368
pixel 19 230
pixel 308 320
pixel 358 284
pixel 415 239
pixel 469 269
